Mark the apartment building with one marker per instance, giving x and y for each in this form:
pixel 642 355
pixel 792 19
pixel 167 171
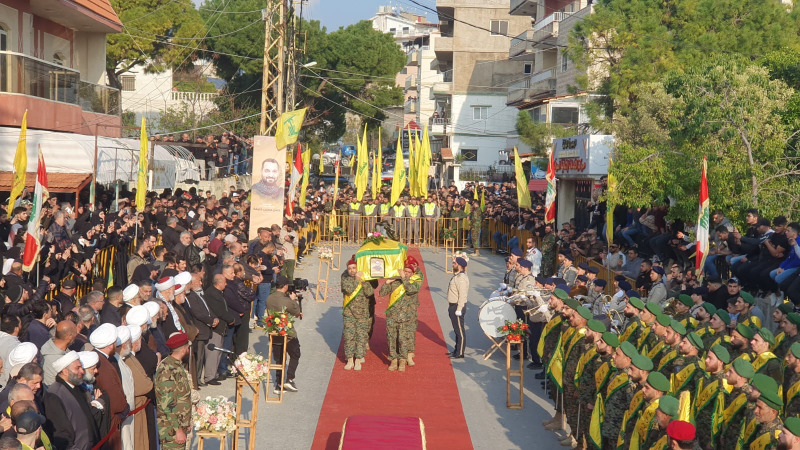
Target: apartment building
pixel 470 99
pixel 53 64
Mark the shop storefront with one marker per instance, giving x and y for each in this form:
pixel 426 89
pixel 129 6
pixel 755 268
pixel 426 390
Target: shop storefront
pixel 580 162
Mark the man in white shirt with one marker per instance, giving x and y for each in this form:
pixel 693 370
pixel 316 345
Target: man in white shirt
pixel 534 255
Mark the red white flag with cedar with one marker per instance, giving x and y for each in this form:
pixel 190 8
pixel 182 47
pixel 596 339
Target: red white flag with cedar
pixel 703 220
pixel 550 198
pixel 40 194
pixel 297 176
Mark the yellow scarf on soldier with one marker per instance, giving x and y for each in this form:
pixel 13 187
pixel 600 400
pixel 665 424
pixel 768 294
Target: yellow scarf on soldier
pixel 552 324
pixel 628 331
pixel 349 298
pixel 585 359
pixel 732 409
pixel 778 341
pixel 761 360
pixel 678 380
pixel 645 332
pixel 630 414
pixel 400 291
pixel 761 442
pixel 791 393
pixel 643 425
pixel 711 396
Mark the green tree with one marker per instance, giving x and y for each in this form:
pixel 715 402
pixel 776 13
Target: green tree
pixel 539 136
pixel 160 34
pixel 727 109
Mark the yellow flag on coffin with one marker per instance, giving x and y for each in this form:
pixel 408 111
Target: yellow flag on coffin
pixel 611 186
pixel 399 180
pixel 306 170
pixel 289 127
pixel 596 422
pixel 523 194
pixel 141 181
pixel 20 163
pixel 362 167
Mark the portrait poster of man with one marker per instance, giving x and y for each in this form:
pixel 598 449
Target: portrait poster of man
pixel 269 169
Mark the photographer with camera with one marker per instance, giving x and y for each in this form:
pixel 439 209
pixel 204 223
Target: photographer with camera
pixel 282 300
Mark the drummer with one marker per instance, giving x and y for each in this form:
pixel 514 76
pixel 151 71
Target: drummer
pixel 524 282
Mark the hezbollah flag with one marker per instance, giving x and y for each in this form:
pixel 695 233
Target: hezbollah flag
pixel 611 187
pixel 424 163
pixel 377 164
pixel 523 194
pixel 20 163
pixel 399 180
pixel 362 169
pixel 596 422
pixel 483 200
pixel 141 179
pixel 306 170
pixel 289 127
pixel 40 194
pixel 550 198
pixel 703 218
pixel 297 174
pixel 332 222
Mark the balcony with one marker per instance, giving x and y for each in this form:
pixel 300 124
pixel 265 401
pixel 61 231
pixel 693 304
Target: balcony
pixel 443 46
pixel 545 31
pixel 524 7
pixel 413 58
pixel 539 85
pixel 439 125
pixel 60 99
pixel 410 107
pixel 411 83
pixel 522 47
pixel 192 97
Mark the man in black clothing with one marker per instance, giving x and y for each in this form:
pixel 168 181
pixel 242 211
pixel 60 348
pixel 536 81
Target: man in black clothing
pixel 206 322
pixel 71 419
pixel 110 312
pixel 216 302
pixel 65 299
pixel 279 300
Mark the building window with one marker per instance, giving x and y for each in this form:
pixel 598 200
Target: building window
pixel 564 61
pixel 527 68
pixel 564 115
pixel 3 37
pixel 58 59
pixel 537 115
pixel 499 28
pixel 128 82
pixel 470 154
pixel 405 30
pixel 480 112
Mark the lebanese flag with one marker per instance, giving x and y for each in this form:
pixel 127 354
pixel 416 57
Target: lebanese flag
pixel 297 176
pixel 550 198
pixel 703 220
pixel 40 194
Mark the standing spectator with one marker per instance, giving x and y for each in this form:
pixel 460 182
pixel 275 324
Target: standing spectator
pixel 173 395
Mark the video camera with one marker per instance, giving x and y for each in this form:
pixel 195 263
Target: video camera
pixel 297 286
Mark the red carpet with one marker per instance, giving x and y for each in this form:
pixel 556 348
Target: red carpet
pixel 427 390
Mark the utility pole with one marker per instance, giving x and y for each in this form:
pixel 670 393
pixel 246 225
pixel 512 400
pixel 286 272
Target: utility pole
pixel 273 80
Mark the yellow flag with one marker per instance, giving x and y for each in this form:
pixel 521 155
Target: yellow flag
pixel 332 222
pixel 685 407
pixel 523 195
pixel 321 166
pixel 412 172
pixel 475 192
pixel 141 180
pixel 376 169
pixel 362 169
pixel 20 163
pixel 289 127
pixel 611 186
pixel 483 200
pixel 424 164
pixel 306 170
pixel 468 208
pixel 399 180
pixel 596 422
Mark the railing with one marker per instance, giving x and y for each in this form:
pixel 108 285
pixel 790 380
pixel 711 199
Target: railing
pixel 23 74
pixel 194 96
pixel 555 17
pixel 520 43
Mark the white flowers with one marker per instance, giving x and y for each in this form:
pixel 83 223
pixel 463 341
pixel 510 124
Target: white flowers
pixel 325 253
pixel 215 414
pixel 254 367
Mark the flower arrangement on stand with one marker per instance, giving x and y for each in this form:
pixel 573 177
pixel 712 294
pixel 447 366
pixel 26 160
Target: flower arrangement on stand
pixel 514 331
pixel 279 322
pixel 448 233
pixel 253 367
pixel 325 253
pixel 337 231
pixel 461 254
pixel 215 414
pixel 374 237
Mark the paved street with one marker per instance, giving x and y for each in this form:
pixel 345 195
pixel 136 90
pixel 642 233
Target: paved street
pixel 481 384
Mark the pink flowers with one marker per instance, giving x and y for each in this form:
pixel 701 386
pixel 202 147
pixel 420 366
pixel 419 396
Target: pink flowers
pixel 215 414
pixel 254 367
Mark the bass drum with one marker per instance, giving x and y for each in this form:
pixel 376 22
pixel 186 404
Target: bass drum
pixel 493 315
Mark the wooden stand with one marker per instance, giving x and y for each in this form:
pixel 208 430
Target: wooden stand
pixel 515 374
pixel 273 337
pixel 449 251
pixel 497 344
pixel 337 252
pixel 202 435
pixel 250 424
pixel 322 281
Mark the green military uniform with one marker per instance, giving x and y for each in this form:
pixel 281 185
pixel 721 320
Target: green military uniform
pixel 592 380
pixel 458 225
pixel 767 435
pixel 573 355
pixel 552 333
pixel 791 399
pixel 356 316
pixel 618 396
pixel 710 395
pixel 686 374
pixel 548 267
pixel 733 415
pixel 782 348
pixel 633 330
pixel 667 360
pixel 173 402
pixel 769 364
pixel 400 315
pixel 476 222
pixel 412 335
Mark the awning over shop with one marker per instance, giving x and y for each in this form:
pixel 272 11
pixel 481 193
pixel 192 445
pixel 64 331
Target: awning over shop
pixel 70 183
pixel 536 185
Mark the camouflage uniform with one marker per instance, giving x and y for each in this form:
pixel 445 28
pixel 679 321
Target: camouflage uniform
pixel 400 317
pixel 173 402
pixel 412 343
pixel 731 429
pixel 783 347
pixel 549 347
pixel 772 429
pixel 570 391
pixel 548 255
pixel 653 436
pixel 710 391
pixel 458 225
pixel 587 391
pixel 633 330
pixel 773 367
pixel 476 221
pixel 618 395
pixel 356 317
pixel 792 405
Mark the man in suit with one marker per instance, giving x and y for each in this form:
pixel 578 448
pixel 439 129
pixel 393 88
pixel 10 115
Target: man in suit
pixel 216 302
pixel 108 380
pixel 206 322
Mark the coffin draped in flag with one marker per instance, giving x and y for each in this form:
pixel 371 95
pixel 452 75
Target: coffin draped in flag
pixel 703 218
pixel 40 194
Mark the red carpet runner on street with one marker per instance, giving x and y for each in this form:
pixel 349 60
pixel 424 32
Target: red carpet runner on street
pixel 427 390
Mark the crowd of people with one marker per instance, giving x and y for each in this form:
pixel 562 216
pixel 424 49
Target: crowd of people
pixel 217 156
